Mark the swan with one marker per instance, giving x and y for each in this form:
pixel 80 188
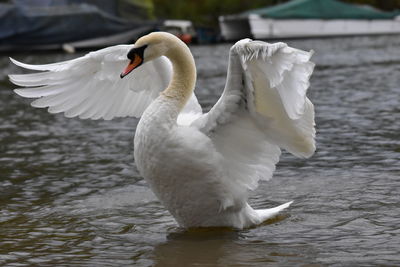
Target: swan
pixel 201 166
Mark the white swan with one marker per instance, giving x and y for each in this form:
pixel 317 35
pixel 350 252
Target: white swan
pixel 200 166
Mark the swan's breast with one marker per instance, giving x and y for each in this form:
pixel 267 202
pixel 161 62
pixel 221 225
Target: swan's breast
pixel 183 170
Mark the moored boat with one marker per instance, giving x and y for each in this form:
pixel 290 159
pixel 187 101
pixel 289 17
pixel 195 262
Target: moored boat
pixel 309 18
pixel 27 27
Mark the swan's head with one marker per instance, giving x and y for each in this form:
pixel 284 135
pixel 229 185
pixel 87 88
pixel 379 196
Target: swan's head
pixel 150 47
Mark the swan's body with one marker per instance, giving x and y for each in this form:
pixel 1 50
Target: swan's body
pixel 201 166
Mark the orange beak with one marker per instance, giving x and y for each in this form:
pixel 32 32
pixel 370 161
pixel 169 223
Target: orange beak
pixel 136 62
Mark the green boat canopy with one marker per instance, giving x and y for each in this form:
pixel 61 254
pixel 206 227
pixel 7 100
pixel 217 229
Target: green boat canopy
pixel 320 9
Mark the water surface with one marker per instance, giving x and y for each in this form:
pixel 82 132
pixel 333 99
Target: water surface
pixel 70 194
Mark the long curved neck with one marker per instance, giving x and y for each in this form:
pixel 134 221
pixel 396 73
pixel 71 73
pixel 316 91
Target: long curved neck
pixel 184 74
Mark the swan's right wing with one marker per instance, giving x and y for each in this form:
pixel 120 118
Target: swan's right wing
pixel 91 87
pixel 262 109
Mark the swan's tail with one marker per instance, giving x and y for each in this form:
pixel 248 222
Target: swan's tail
pixel 266 214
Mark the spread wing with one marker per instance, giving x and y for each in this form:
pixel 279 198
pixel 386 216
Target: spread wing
pixel 91 87
pixel 263 108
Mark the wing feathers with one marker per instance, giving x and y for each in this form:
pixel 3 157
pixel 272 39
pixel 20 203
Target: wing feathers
pixel 35 92
pixel 247 155
pixel 90 86
pixel 263 108
pixel 51 67
pixel 277 79
pixel 295 82
pixel 284 68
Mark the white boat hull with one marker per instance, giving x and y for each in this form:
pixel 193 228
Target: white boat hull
pixel 262 28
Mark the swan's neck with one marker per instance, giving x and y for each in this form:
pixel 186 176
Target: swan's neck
pixel 184 75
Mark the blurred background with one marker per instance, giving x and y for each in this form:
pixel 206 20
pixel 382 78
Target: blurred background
pixel 73 24
pixel 70 194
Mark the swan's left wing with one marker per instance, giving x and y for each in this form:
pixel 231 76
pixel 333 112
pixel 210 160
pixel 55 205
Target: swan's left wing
pixel 91 87
pixel 262 109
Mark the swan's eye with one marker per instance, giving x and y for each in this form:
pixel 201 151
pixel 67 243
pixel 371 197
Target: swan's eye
pixel 137 51
pixel 131 56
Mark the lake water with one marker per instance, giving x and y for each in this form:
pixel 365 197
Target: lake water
pixel 70 194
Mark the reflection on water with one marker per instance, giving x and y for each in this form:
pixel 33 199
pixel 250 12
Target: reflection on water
pixel 227 247
pixel 199 247
pixel 70 193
